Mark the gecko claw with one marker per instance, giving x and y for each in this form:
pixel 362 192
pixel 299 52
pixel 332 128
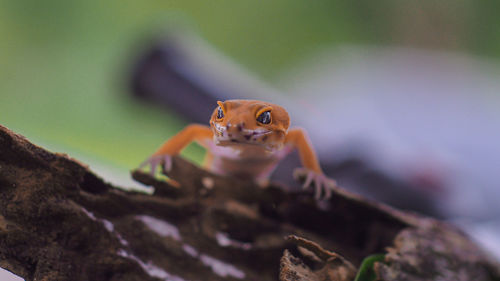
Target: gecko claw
pixel 309 179
pixel 322 184
pixel 317 191
pixel 154 161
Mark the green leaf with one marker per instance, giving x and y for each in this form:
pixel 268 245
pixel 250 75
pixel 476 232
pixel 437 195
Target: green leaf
pixel 366 272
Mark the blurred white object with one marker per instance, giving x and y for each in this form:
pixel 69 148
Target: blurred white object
pixel 416 112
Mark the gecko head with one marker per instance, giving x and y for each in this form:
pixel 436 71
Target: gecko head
pixel 249 122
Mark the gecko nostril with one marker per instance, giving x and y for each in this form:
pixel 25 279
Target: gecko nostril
pixel 264 138
pixel 240 127
pixel 247 137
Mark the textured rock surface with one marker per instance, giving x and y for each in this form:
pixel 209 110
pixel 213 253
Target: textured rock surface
pixel 59 221
pixel 332 265
pixel 434 252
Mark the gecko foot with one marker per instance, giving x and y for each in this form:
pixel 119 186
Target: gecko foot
pixel 322 184
pixel 154 161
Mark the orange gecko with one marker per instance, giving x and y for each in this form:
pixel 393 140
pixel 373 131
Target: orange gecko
pixel 247 139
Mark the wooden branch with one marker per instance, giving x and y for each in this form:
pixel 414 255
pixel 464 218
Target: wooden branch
pixel 59 221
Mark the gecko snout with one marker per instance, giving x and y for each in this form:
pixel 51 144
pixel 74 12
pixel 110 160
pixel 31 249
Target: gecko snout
pixel 237 132
pixel 235 127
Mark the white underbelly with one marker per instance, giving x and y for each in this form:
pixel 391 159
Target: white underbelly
pixel 244 161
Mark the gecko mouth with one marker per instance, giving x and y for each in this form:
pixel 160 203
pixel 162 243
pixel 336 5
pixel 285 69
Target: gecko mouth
pixel 238 144
pixel 233 141
pixel 246 138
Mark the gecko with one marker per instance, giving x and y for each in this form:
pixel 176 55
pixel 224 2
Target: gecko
pixel 247 139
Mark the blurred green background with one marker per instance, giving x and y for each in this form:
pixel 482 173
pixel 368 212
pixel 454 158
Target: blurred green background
pixel 64 65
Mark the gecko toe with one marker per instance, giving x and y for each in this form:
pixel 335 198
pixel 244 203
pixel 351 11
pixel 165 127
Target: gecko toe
pixel 328 192
pixel 318 186
pixel 153 167
pixel 322 185
pixel 308 181
pixel 155 161
pixel 167 163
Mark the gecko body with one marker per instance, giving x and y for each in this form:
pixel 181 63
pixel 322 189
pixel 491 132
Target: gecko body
pixel 247 139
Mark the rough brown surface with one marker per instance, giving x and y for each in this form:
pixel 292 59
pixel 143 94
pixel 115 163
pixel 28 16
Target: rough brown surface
pixel 434 252
pixel 331 265
pixel 59 221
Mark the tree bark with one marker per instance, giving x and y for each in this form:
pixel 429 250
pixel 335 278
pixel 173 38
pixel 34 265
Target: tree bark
pixel 60 221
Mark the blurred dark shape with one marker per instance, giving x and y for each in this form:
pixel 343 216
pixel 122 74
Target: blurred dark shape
pixel 158 78
pixel 180 73
pixel 363 178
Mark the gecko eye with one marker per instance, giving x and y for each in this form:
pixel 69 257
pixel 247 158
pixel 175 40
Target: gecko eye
pixel 265 117
pixel 220 113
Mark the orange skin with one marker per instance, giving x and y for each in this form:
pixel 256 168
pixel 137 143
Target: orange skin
pixel 239 145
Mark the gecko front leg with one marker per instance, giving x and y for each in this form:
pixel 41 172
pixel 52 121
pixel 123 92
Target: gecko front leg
pixel 174 145
pixel 311 172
